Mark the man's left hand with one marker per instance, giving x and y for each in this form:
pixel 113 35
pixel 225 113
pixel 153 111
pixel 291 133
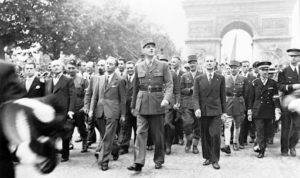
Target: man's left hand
pixel 164 103
pixel 122 118
pixel 70 114
pixel 224 117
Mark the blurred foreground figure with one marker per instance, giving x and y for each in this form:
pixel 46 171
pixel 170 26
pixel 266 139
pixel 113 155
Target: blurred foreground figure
pixel 27 123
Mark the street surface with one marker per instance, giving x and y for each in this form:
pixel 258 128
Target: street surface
pixel 240 164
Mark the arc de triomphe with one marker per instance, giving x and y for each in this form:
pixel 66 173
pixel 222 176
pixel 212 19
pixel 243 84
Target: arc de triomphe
pixel 267 21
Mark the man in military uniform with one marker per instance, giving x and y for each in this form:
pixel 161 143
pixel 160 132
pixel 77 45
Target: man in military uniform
pixel 236 88
pixel 191 125
pixel 149 102
pixel 263 106
pixel 171 109
pixel 289 81
pixel 79 116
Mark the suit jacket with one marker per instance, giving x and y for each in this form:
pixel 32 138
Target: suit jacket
pixel 286 78
pixel 37 88
pixel 157 76
pixel 236 105
pixel 129 92
pixel 93 83
pixel 210 99
pixel 64 90
pixel 176 91
pixel 250 78
pixel 109 100
pixel 10 88
pixel 261 99
pixel 187 82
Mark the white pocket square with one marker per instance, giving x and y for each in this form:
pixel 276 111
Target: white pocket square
pixel 114 86
pixel 37 87
pixel 270 88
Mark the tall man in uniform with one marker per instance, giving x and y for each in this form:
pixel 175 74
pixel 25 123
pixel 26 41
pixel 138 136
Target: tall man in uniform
pixel 191 123
pixel 130 119
pixel 262 106
pixel 149 102
pixel 289 81
pixel 210 104
pixel 236 88
pixel 33 85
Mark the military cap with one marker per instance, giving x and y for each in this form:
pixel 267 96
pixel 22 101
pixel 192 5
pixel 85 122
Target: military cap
pixel 162 57
pixel 72 62
pixel 293 51
pixel 254 65
pixel 272 70
pixel 192 58
pixel 264 64
pixel 234 63
pixel 146 41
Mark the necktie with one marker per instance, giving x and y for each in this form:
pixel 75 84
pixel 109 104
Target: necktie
pixel 129 79
pixel 107 80
pixel 121 74
pixel 209 78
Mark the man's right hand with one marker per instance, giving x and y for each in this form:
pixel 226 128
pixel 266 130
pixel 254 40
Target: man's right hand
pixel 198 113
pixel 133 112
pixel 86 111
pixel 90 114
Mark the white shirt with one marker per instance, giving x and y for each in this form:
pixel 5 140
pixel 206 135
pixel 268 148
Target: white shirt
pixel 234 77
pixel 295 67
pixel 245 74
pixel 148 62
pixel 110 77
pixel 264 81
pixel 29 81
pixel 177 72
pixel 131 77
pixel 193 73
pixel 212 75
pixel 56 79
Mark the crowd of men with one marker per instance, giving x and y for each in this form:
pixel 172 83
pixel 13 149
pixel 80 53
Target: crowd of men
pixel 162 102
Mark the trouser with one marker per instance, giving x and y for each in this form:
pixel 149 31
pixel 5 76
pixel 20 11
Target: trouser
pixel 6 164
pixel 178 126
pixel 210 137
pixel 79 118
pixel 290 126
pixel 126 128
pixel 274 128
pixel 169 127
pixel 248 127
pixel 101 125
pixel 264 130
pixel 107 141
pixel 91 129
pixel 237 121
pixel 191 126
pixel 65 148
pixel 154 123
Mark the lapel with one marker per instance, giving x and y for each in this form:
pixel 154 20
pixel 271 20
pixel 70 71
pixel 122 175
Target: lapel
pixel 112 82
pixel 291 73
pixel 264 87
pixel 59 83
pixel 153 66
pixel 129 82
pixel 205 82
pixel 101 85
pixel 144 66
pixel 49 86
pixel 230 80
pixel 35 81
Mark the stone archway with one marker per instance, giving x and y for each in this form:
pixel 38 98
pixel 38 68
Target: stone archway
pixel 267 21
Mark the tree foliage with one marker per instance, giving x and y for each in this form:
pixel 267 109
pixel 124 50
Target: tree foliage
pixel 87 30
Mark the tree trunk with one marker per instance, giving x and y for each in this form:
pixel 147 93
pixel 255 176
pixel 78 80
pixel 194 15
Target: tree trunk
pixel 2 54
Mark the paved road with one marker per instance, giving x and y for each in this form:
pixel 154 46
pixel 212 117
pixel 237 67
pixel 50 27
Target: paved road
pixel 240 164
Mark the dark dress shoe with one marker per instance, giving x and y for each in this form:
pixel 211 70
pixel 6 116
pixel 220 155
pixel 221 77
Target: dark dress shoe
pixel 235 147
pixel 241 146
pixel 90 142
pixel 115 157
pixel 261 155
pixel 293 151
pixel 168 151
pixel 123 151
pixel 284 154
pixel 71 146
pixel 175 141
pixel 150 148
pixel 79 139
pixel 104 167
pixel 135 167
pixel 180 142
pixel 206 162
pixel 188 146
pixel 84 149
pixel 96 155
pixel 195 150
pixel 226 149
pixel 216 165
pixel 64 160
pixel 158 166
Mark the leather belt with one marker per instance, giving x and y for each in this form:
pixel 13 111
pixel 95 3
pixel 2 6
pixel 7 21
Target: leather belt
pixel 150 89
pixel 234 94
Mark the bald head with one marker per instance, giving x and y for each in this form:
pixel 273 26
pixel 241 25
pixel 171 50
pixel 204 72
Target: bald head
pixel 56 66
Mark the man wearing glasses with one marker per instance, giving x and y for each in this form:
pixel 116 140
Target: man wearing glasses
pixel 288 82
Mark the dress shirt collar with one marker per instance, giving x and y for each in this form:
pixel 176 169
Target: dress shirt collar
pixel 131 77
pixel 234 77
pixel 295 67
pixel 110 76
pixel 57 76
pixel 30 78
pixel 264 80
pixel 245 74
pixel 212 74
pixel 193 73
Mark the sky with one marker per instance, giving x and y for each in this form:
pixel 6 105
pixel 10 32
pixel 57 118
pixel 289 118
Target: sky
pixel 170 14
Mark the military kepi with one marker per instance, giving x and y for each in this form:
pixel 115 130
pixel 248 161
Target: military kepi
pixel 146 41
pixel 293 51
pixel 192 58
pixel 264 64
pixel 72 62
pixel 162 57
pixel 234 63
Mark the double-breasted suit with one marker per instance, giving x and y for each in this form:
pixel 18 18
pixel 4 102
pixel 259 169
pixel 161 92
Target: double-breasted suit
pixel 289 136
pixel 262 105
pixel 191 125
pixel 211 100
pixel 109 103
pixel 147 98
pixel 64 90
pixel 37 88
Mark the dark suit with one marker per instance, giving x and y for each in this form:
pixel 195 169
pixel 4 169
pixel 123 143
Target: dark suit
pixel 211 100
pixel 289 138
pixel 178 120
pixel 147 98
pixel 37 88
pixel 191 125
pixel 64 90
pixel 263 106
pixel 10 88
pixel 130 120
pixel 109 104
